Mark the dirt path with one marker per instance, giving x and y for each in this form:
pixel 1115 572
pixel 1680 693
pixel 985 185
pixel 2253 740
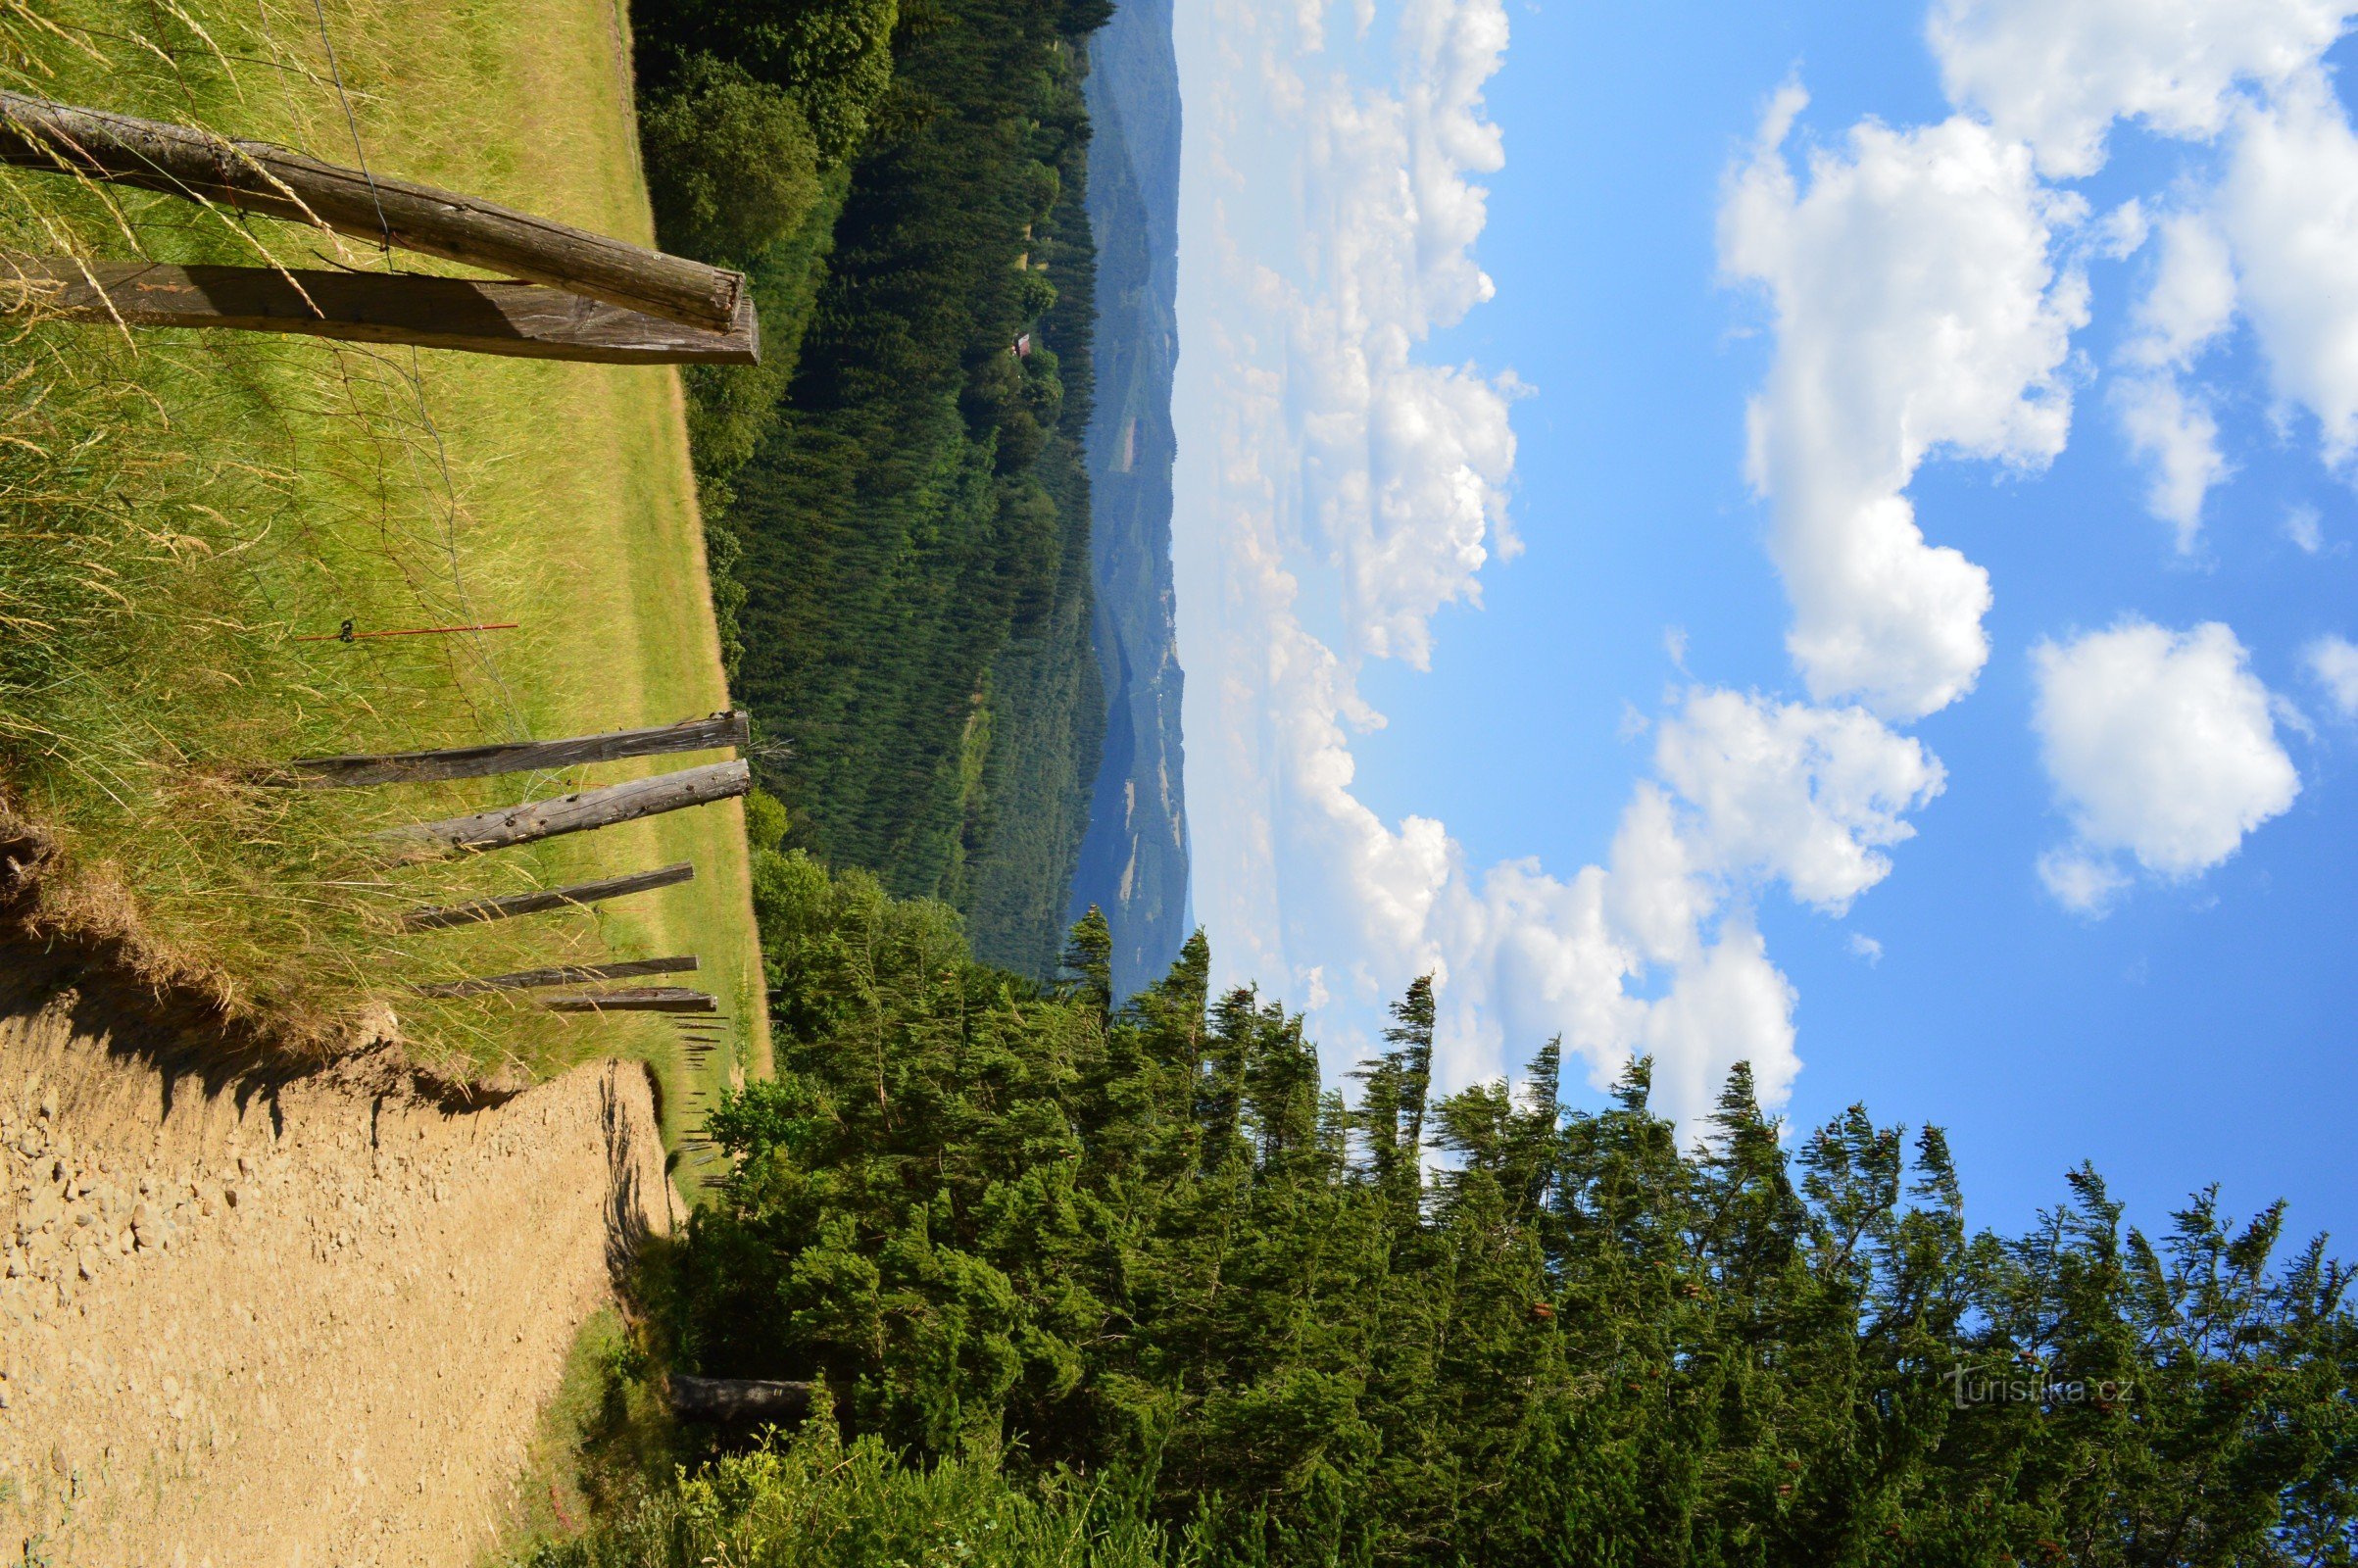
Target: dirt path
pixel 270 1318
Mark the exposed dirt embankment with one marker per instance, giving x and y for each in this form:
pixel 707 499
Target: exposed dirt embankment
pixel 275 1316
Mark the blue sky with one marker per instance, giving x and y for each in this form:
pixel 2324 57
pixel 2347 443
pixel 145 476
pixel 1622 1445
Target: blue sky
pixel 1860 583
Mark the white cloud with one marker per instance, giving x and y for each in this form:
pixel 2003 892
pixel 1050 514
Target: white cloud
pixel 1806 795
pixel 2191 300
pixel 2174 431
pixel 1918 310
pixel 2081 882
pixel 1866 947
pixel 1753 795
pixel 2333 662
pixel 1730 1004
pixel 1406 464
pixel 2289 208
pixel 2189 306
pixel 2302 527
pixel 2160 745
pixel 2122 232
pixel 1340 471
pixel 2057 75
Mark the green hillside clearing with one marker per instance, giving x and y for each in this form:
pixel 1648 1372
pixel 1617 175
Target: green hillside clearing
pixel 177 509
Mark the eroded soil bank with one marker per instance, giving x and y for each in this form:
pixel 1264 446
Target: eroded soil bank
pixel 271 1316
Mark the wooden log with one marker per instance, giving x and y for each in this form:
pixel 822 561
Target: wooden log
pixel 523 320
pixel 578 895
pixel 258 178
pixel 520 756
pixel 569 974
pixel 578 812
pixel 634 999
pixel 738 1400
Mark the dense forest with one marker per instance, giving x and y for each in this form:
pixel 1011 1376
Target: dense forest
pixel 1135 1268
pixel 896 501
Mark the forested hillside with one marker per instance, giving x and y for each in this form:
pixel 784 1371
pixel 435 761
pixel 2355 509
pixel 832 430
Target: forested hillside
pixel 1147 1247
pixel 1134 860
pixel 898 496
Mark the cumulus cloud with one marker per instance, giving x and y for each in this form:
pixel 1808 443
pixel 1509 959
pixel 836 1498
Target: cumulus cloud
pixel 1729 1006
pixel 1653 951
pixel 1919 309
pixel 2248 72
pixel 1407 463
pixel 2333 662
pixel 2191 299
pixel 1806 795
pixel 2189 306
pixel 2160 745
pixel 2056 76
pixel 2174 432
pixel 1348 482
pixel 2289 205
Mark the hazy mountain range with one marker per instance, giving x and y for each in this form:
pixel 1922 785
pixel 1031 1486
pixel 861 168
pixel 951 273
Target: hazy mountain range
pixel 1134 859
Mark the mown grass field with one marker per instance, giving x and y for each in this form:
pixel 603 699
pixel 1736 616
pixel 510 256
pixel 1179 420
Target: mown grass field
pixel 177 509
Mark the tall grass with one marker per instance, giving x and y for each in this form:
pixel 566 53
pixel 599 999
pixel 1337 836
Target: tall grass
pixel 813 1501
pixel 178 511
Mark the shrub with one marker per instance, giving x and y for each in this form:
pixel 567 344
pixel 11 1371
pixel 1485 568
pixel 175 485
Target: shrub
pixel 731 163
pixel 811 1502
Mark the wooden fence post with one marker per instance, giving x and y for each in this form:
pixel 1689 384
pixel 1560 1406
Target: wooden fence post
pixel 636 998
pixel 519 757
pixel 574 896
pixel 258 178
pixel 563 976
pixel 521 320
pixel 579 812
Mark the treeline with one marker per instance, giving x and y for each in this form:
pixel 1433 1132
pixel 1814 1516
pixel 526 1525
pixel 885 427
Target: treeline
pixel 1146 1247
pixel 896 499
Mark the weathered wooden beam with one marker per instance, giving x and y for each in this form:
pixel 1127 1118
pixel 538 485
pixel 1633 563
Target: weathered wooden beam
pixel 523 320
pixel 738 1400
pixel 514 903
pixel 578 812
pixel 519 757
pixel 258 178
pixel 635 998
pixel 569 974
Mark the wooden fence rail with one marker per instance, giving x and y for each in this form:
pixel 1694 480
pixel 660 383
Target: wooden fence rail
pixel 518 757
pixel 636 998
pixel 578 812
pixel 574 896
pixel 258 178
pixel 569 974
pixel 521 320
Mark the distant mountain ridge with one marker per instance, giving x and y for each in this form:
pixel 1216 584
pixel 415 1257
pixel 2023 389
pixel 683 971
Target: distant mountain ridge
pixel 1134 858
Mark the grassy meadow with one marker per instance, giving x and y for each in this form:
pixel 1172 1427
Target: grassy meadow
pixel 179 510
